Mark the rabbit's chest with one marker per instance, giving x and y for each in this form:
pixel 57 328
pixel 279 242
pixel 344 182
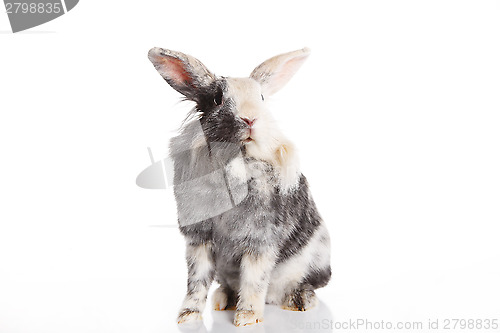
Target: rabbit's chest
pixel 253 220
pixel 259 176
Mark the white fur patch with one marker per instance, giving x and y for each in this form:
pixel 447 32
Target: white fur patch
pixel 269 143
pixel 254 268
pixel 219 299
pixel 287 275
pixel 203 260
pixel 237 169
pixel 255 273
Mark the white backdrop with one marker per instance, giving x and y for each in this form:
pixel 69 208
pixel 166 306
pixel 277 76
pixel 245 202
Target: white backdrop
pixel 396 114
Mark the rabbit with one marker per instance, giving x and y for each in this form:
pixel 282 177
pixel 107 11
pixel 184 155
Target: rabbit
pixel 270 245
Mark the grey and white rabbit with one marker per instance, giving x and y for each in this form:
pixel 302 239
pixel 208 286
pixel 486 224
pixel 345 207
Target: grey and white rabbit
pixel 269 245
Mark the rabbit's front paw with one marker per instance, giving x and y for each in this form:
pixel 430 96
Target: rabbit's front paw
pixel 246 317
pixel 188 315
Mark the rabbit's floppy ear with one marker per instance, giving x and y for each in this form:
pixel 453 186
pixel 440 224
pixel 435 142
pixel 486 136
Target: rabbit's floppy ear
pixel 183 72
pixel 275 72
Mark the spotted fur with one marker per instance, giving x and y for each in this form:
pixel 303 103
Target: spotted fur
pixel 271 244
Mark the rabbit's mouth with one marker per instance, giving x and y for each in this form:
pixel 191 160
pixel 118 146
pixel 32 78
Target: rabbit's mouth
pixel 247 136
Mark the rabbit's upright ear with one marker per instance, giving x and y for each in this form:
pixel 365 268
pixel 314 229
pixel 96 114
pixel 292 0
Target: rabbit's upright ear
pixel 183 72
pixel 274 73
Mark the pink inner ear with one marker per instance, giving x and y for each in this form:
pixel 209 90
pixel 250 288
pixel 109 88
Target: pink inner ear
pixel 289 69
pixel 174 69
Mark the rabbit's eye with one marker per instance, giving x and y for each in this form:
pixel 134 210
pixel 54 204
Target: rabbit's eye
pixel 262 96
pixel 218 97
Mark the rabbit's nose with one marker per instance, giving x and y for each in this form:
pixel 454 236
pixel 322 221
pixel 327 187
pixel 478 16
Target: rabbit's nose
pixel 249 122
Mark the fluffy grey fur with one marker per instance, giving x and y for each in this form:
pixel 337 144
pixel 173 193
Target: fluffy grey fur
pixel 267 243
